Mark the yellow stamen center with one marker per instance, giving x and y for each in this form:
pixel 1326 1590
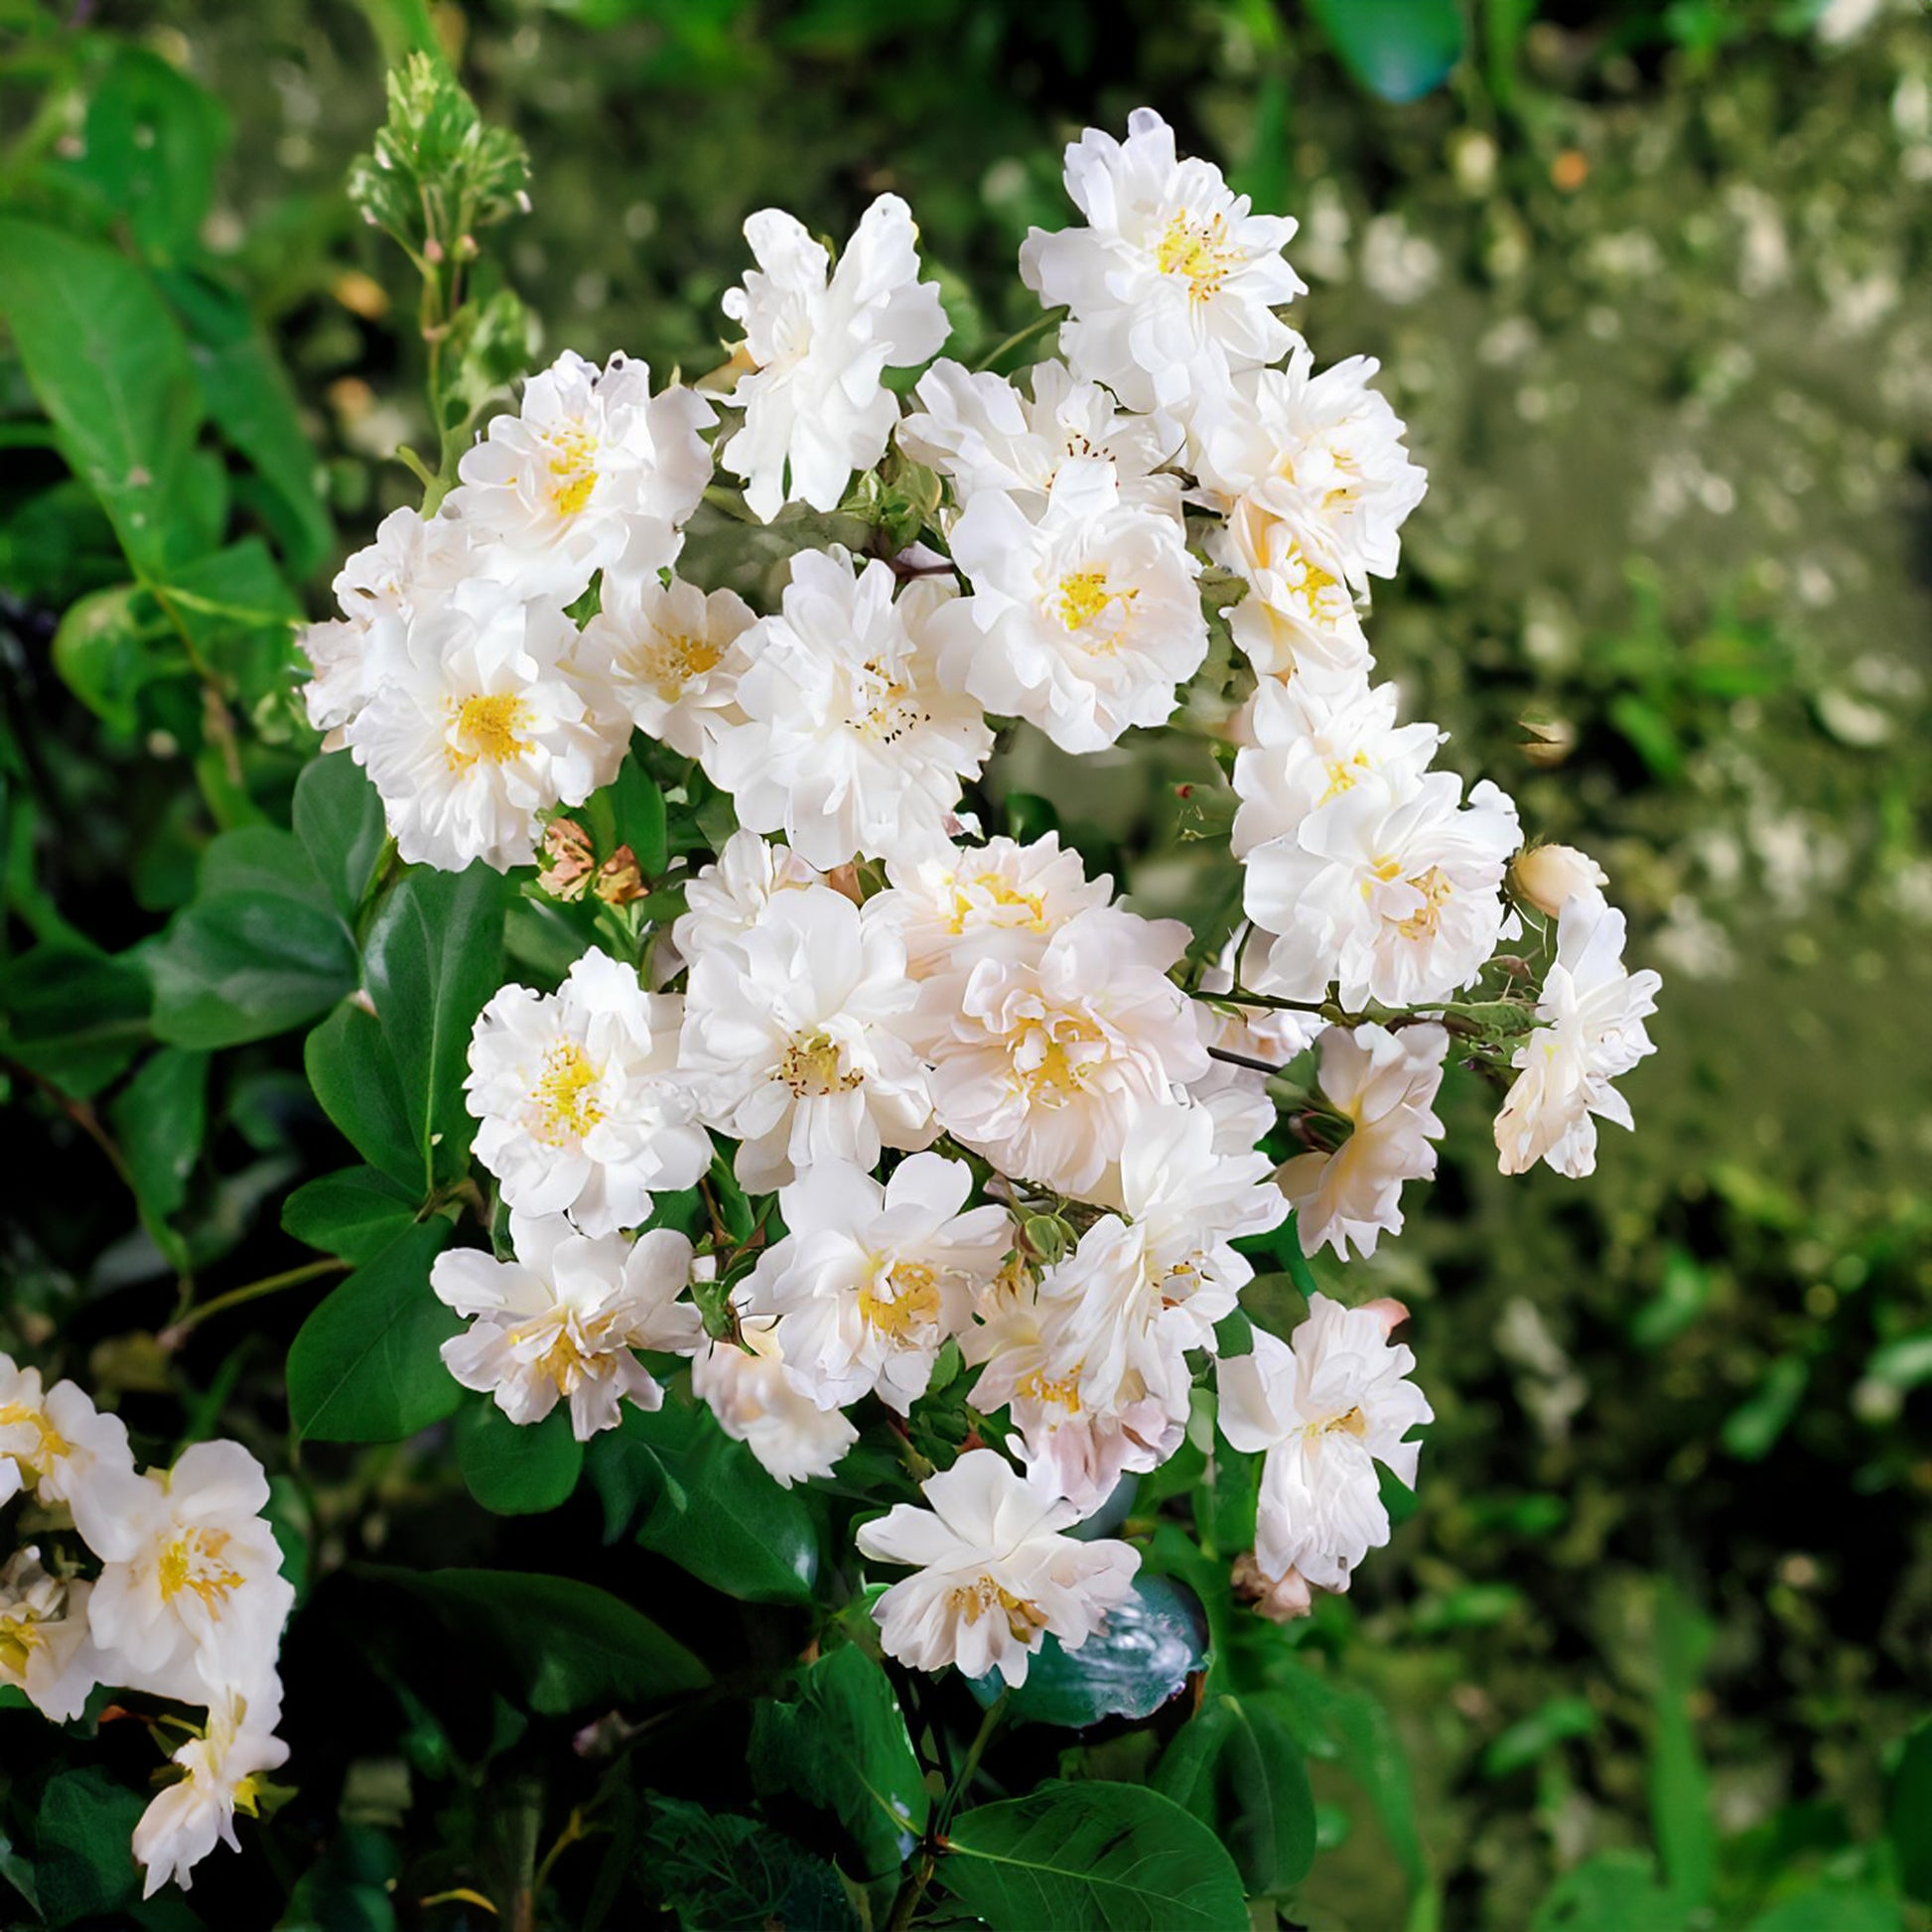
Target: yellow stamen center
pixel 53 1446
pixel 899 1300
pixel 1023 1616
pixel 1435 890
pixel 668 661
pixel 194 1563
pixel 486 729
pixel 1198 251
pixel 810 1068
pixel 1353 1422
pixel 573 468
pixel 1343 773
pixel 972 896
pixel 1052 1390
pixel 566 1100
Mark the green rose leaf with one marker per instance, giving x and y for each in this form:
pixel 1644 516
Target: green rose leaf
pixel 1113 1858
pixel 1908 1814
pixel 364 1366
pixel 84 1866
pixel 356 1213
pixel 1237 1768
pixel 516 1468
pixel 246 965
pixel 1152 1644
pixel 338 819
pixel 353 1074
pixel 159 1119
pixel 74 1016
pixel 434 955
pixel 842 1743
pixel 564 1645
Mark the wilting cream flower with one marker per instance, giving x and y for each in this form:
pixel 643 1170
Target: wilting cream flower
pixel 671 654
pixel 757 1404
pixel 1550 876
pixel 848 742
pixel 591 470
pixel 1385 1084
pixel 223 1770
pixel 1391 889
pixel 994 1573
pixel 191 1597
pixel 560 1322
pixel 985 432
pixel 1083 618
pixel 54 1441
pixel 997 900
pixel 871 1282
pixel 45 1648
pixel 1591 1012
pixel 1042 1065
pixel 817 339
pixel 1285 452
pixel 1173 283
pixel 1325 1407
pixel 793 1040
pixel 582 1109
pixel 725 899
pixel 483 722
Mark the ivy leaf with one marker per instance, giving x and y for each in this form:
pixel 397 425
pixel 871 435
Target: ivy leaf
pixel 517 1469
pixel 1109 1857
pixel 842 1743
pixel 356 1213
pixel 364 1366
pixel 434 955
pixel 1237 1768
pixel 563 1644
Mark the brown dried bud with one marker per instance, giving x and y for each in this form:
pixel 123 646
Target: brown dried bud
pixel 619 878
pixel 1280 1600
pixel 845 878
pixel 568 860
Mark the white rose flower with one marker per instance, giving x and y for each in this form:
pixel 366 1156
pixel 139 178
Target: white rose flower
pixel 582 1109
pixel 223 1770
pixel 1385 1084
pixel 792 1043
pixel 725 899
pixel 1591 1012
pixel 1083 620
pixel 1041 1066
pixel 1550 876
pixel 54 1441
pixel 484 723
pixel 997 900
pixel 817 339
pixel 592 469
pixel 45 1648
pixel 1173 283
pixel 756 1402
pixel 1324 1408
pixel 993 1575
pixel 191 1597
pixel 671 654
pixel 1391 891
pixel 1299 615
pixel 1286 452
pixel 871 1280
pixel 985 432
pixel 560 1322
pixel 849 743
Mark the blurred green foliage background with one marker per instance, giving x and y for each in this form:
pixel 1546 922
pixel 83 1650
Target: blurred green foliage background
pixel 1652 285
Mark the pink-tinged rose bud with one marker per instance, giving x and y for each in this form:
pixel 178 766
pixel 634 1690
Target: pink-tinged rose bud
pixel 619 879
pixel 1549 876
pixel 1280 1600
pixel 568 860
pixel 1386 1311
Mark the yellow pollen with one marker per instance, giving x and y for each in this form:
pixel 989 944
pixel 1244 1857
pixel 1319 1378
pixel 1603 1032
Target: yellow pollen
pixel 573 468
pixel 990 885
pixel 566 1099
pixel 192 1561
pixel 1435 890
pixel 810 1068
pixel 669 661
pixel 19 1637
pixel 485 729
pixel 573 1350
pixel 53 1445
pixel 1355 1423
pixel 901 1299
pixel 1055 1391
pixel 1023 1616
pixel 1198 251
pixel 1343 773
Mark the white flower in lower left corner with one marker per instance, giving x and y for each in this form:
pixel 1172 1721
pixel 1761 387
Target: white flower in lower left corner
pixel 994 1571
pixel 581 1111
pixel 560 1322
pixel 222 1776
pixel 190 1596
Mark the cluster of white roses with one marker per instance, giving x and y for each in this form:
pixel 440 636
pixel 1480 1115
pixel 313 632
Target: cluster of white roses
pixel 893 1021
pixel 174 1589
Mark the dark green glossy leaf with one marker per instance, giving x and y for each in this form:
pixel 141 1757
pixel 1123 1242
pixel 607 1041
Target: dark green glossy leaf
pixel 564 1645
pixel 355 1076
pixel 639 807
pixel 109 647
pixel 75 1016
pixel 434 955
pixel 110 365
pixel 1237 1768
pixel 159 1119
pixel 1397 48
pixel 364 1366
pixel 246 965
pixel 1150 1647
pixel 356 1213
pixel 1908 1814
pixel 842 1743
pixel 516 1469
pixel 83 1865
pixel 338 819
pixel 1093 1858
pixel 718 1873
